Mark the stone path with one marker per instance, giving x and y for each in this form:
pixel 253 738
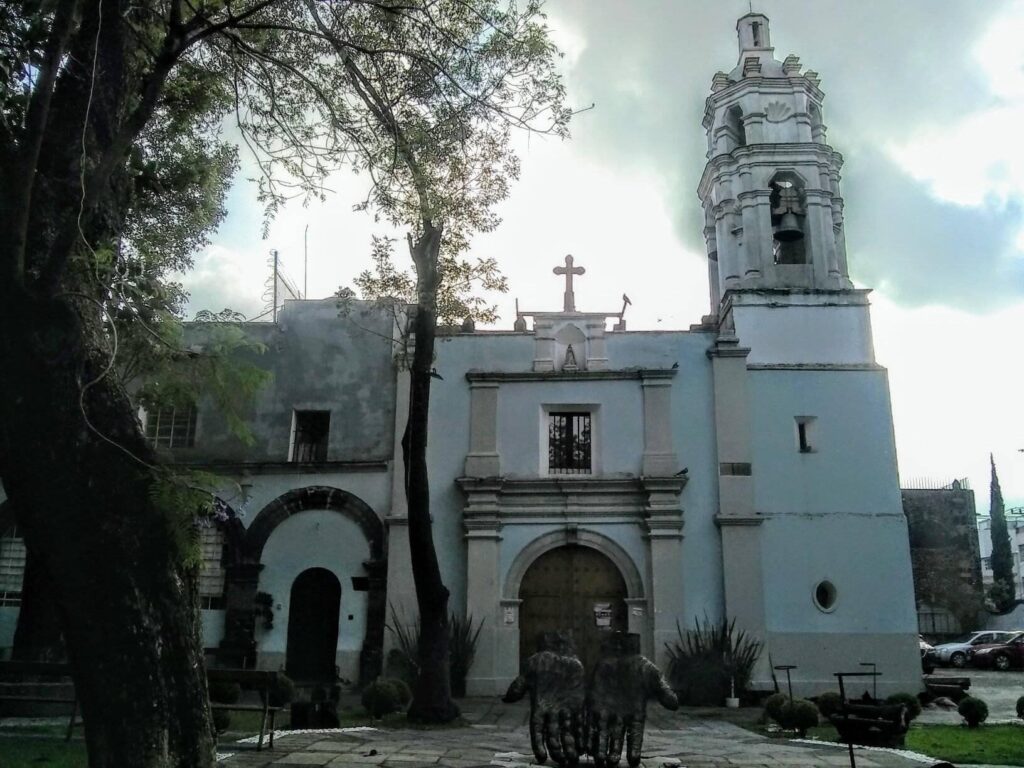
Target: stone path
pixel 496 735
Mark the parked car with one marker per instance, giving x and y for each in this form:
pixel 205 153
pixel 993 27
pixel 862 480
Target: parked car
pixel 929 659
pixel 955 654
pixel 999 655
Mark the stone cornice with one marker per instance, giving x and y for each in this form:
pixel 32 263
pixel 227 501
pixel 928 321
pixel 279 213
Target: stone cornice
pixel 725 521
pixel 626 374
pixel 815 367
pixel 285 467
pixel 768 154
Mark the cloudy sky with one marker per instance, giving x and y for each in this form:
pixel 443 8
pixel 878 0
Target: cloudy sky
pixel 925 100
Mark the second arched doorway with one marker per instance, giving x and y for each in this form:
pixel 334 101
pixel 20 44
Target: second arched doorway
pixel 572 589
pixel 313 625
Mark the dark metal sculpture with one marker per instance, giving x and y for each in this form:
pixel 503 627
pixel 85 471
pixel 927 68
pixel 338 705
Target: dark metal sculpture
pixel 566 723
pixel 554 679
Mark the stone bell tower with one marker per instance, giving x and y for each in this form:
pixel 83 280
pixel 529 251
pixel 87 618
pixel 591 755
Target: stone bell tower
pixel 770 192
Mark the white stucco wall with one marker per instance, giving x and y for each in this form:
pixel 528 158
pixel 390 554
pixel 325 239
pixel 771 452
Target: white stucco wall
pixel 315 539
pixel 802 335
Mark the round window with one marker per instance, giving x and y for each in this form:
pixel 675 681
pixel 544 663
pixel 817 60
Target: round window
pixel 825 596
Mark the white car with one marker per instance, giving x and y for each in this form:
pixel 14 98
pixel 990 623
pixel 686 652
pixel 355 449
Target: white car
pixel 955 654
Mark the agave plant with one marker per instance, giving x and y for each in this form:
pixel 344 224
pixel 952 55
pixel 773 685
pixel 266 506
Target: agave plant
pixel 705 662
pixel 461 647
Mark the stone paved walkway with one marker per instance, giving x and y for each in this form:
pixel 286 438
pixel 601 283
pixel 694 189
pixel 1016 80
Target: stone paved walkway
pixel 496 735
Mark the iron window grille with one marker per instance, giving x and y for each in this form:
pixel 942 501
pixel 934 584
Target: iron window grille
pixel 312 429
pixel 569 443
pixel 211 575
pixel 12 567
pixel 171 427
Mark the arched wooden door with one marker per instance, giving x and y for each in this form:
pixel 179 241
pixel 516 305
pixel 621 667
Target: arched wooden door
pixel 313 625
pixel 576 590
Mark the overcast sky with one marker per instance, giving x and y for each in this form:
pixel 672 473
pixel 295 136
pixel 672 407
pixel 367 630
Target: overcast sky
pixel 925 100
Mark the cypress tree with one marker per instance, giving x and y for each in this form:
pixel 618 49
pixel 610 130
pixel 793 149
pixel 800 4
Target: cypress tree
pixel 1004 588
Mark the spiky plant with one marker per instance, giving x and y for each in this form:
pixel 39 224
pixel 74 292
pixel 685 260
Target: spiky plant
pixel 705 661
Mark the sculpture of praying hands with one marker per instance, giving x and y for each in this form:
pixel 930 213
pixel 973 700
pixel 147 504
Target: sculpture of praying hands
pixel 620 686
pixel 553 676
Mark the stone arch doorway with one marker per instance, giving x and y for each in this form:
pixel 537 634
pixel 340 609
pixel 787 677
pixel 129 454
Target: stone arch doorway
pixel 573 589
pixel 313 615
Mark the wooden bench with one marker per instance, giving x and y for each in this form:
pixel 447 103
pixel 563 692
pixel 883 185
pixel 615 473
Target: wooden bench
pixel 868 722
pixel 263 683
pixel 17 678
pixel 954 688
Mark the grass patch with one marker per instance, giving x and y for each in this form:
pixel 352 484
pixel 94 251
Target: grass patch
pixel 997 744
pixel 20 752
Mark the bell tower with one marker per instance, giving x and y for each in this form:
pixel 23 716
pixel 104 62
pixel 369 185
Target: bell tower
pixel 770 192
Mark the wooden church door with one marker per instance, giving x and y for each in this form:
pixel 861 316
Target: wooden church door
pixel 313 625
pixel 576 590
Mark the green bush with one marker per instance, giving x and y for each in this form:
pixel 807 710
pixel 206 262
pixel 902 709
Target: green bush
pixel 221 720
pixel 773 706
pixel 225 693
pixel 1020 707
pixel 380 698
pixel 705 662
pixel 829 703
pixel 974 711
pixel 799 715
pixel 402 688
pixel 282 691
pixel 910 701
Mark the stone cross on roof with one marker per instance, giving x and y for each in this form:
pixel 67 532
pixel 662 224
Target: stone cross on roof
pixel 569 270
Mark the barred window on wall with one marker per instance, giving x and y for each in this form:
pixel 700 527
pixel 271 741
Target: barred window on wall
pixel 569 443
pixel 12 567
pixel 172 426
pixel 211 575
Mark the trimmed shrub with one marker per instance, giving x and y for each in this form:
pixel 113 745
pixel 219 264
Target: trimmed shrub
pixel 799 715
pixel 974 711
pixel 402 688
pixel 705 662
pixel 225 693
pixel 829 703
pixel 773 706
pixel 282 692
pixel 221 720
pixel 1020 707
pixel 380 698
pixel 910 701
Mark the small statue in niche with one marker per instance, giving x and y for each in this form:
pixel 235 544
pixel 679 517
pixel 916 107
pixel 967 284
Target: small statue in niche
pixel 570 360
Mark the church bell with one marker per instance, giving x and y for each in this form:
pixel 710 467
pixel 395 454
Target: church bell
pixel 789 229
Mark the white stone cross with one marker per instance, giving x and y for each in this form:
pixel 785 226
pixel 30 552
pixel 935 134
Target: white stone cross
pixel 569 270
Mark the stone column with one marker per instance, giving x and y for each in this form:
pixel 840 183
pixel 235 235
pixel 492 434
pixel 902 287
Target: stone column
pixel 738 522
pixel 597 356
pixel 371 658
pixel 822 235
pixel 483 583
pixel 544 345
pixel 483 459
pixel 659 454
pixel 664 523
pixel 401 591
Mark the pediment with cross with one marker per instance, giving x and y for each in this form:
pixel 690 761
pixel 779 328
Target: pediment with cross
pixel 570 340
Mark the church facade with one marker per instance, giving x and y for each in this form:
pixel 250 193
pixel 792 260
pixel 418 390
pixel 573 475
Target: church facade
pixel 585 477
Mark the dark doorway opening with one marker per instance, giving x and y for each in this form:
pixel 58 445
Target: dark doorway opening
pixel 313 626
pixel 575 590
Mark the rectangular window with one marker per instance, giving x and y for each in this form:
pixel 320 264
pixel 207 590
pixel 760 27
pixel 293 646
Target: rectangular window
pixel 12 567
pixel 171 426
pixel 986 563
pixel 310 430
pixel 804 436
pixel 569 443
pixel 211 575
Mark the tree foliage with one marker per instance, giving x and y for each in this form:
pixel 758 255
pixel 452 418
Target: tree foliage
pixel 1002 553
pixel 114 172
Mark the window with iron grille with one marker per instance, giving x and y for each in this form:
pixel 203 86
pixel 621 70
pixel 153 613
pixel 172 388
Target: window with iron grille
pixel 171 426
pixel 310 432
pixel 569 443
pixel 211 575
pixel 12 567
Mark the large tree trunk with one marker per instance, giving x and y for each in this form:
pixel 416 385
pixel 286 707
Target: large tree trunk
pixel 87 507
pixel 432 696
pixel 37 636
